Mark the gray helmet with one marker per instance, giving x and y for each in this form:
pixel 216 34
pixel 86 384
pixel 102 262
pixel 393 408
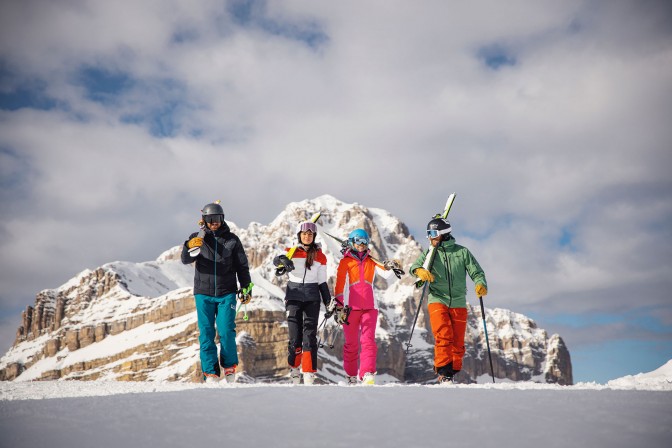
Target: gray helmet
pixel 213 212
pixel 212 209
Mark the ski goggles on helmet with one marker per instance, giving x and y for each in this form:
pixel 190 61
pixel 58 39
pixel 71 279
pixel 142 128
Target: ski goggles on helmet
pixel 433 233
pixel 308 227
pixel 356 240
pixel 211 219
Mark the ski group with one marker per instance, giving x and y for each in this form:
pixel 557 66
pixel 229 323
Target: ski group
pixel 221 265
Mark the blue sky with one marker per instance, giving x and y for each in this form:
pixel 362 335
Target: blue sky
pixel 549 119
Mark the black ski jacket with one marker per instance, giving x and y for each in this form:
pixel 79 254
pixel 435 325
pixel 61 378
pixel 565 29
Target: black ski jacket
pixel 222 257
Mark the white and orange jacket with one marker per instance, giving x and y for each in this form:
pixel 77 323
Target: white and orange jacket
pixel 354 281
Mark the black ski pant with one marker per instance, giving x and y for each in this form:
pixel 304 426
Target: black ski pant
pixel 302 320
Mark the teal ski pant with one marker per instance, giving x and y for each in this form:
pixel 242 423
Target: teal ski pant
pixel 221 311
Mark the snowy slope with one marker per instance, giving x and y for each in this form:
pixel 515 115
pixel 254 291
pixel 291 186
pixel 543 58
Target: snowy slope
pixel 523 415
pixel 659 379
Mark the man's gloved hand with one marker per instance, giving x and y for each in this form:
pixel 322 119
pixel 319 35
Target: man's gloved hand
pixel 195 242
pixel 424 275
pixel 481 290
pixel 245 294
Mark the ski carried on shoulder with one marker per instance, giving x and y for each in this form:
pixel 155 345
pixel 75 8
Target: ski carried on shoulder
pixel 429 259
pixel 344 245
pixel 280 269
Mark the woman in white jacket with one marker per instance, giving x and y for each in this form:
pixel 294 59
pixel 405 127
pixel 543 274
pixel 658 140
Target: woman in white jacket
pixel 306 266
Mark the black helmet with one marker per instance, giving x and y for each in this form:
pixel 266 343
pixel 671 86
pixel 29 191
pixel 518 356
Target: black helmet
pixel 437 227
pixel 213 213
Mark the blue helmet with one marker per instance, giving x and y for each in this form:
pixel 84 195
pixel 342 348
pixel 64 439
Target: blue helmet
pixel 358 236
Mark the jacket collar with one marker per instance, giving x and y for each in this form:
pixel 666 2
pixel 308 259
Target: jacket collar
pixel 353 254
pixel 447 244
pixel 223 229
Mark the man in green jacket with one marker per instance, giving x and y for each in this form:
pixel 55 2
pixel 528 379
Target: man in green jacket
pixel 448 295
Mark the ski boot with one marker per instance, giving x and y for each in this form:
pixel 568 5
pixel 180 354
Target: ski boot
pixel 353 381
pixel 210 378
pixel 230 374
pixel 369 379
pixel 309 378
pixel 445 380
pixel 295 375
pixel 445 374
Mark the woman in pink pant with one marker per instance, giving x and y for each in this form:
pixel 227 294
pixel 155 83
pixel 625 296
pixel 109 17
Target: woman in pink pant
pixel 354 288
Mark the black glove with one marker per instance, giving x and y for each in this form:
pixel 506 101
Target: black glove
pixel 331 308
pixel 282 264
pixel 245 294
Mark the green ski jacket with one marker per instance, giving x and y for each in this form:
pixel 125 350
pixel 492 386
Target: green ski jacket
pixel 452 263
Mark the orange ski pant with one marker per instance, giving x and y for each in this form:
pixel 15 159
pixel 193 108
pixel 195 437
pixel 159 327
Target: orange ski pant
pixel 448 326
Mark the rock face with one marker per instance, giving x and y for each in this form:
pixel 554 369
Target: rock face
pixel 136 321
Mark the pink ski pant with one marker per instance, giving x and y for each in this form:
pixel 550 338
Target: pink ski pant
pixel 361 332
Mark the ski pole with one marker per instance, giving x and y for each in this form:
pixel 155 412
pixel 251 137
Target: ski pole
pixel 422 297
pixel 328 339
pixel 244 295
pixel 245 317
pixel 485 327
pixel 319 341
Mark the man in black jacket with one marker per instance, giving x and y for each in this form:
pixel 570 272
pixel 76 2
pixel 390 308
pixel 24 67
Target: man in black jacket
pixel 220 258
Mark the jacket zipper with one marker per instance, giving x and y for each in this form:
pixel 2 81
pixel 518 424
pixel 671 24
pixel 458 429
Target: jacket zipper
pixel 448 275
pixel 214 257
pixel 305 272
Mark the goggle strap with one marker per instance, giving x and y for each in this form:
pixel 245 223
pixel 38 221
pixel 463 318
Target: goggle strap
pixel 434 233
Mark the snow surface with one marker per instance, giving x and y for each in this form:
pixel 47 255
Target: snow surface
pixel 121 414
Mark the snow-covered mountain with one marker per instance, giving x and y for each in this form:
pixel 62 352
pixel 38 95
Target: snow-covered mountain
pixel 135 321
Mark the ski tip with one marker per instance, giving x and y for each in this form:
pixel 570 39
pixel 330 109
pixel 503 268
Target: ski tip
pixel 315 216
